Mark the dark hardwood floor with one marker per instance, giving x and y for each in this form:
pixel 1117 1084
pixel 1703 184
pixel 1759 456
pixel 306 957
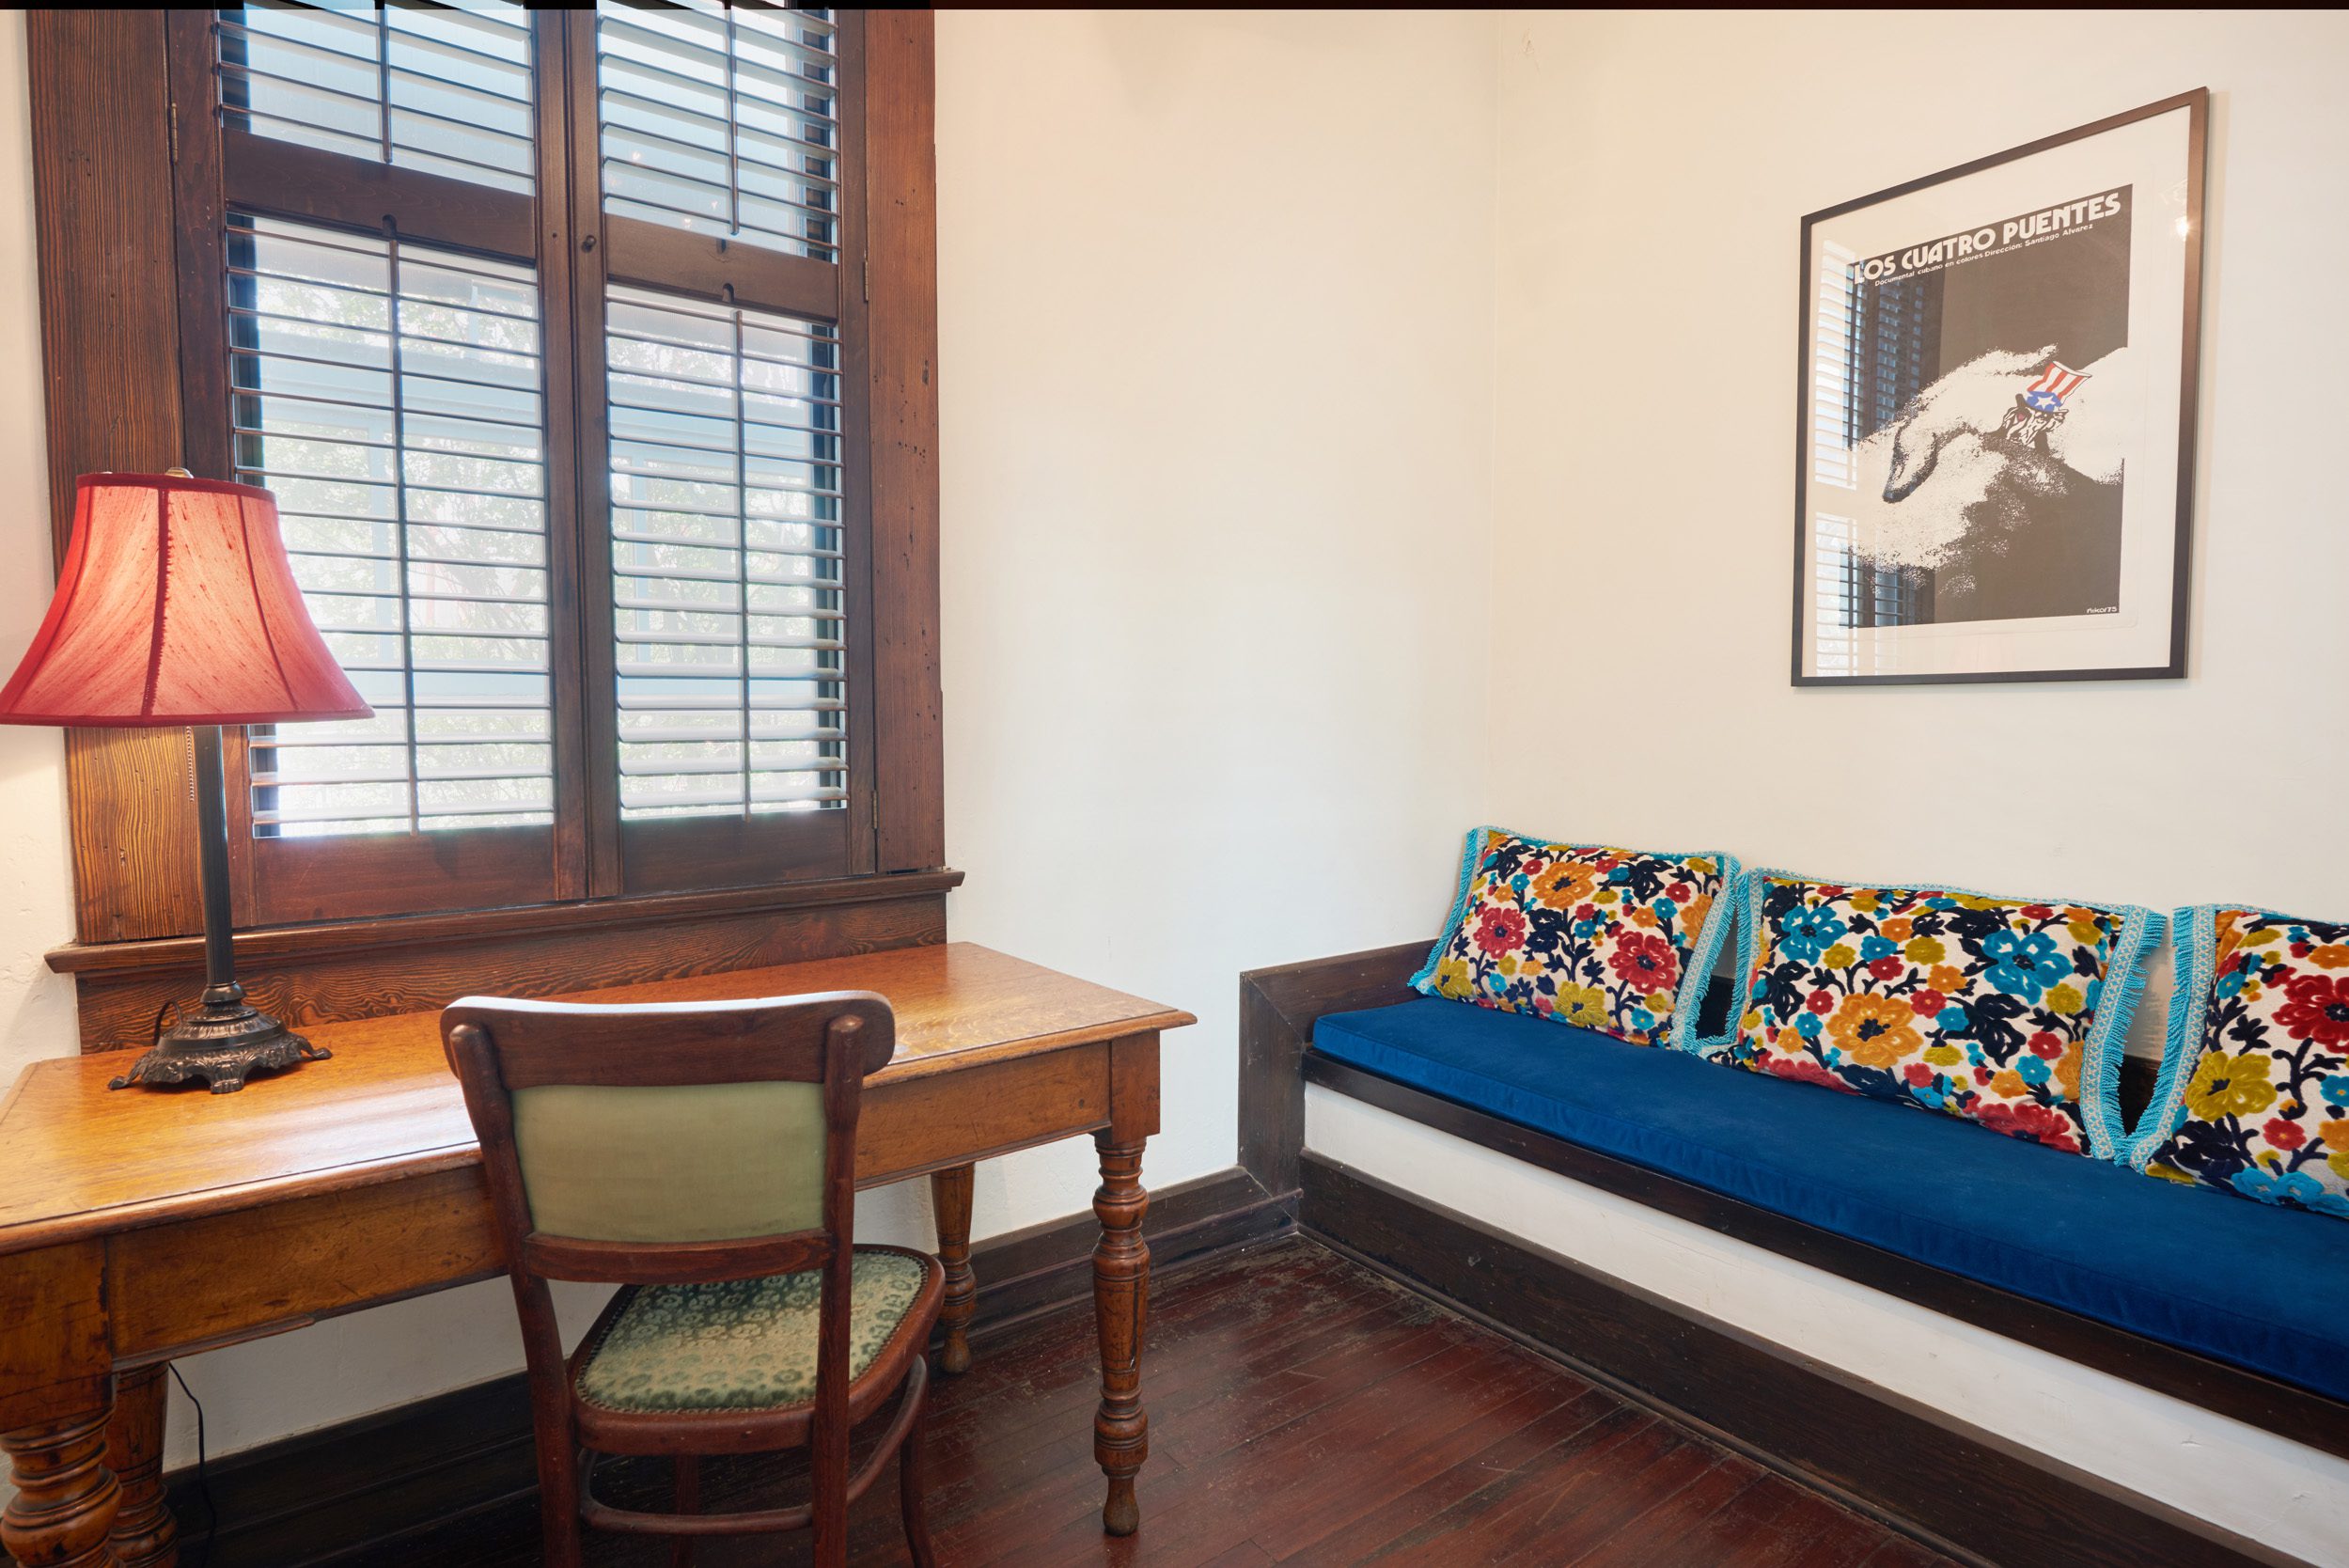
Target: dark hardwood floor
pixel 1303 1410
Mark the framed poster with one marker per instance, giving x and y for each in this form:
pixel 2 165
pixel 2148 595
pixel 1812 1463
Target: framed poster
pixel 1996 418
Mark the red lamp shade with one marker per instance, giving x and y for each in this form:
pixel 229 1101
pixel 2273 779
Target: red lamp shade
pixel 176 606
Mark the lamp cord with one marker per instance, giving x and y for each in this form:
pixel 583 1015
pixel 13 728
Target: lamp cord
pixel 203 1481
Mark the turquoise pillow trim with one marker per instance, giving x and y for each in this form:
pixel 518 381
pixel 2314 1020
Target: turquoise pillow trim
pixel 1704 954
pixel 2192 974
pixel 2141 931
pixel 1459 909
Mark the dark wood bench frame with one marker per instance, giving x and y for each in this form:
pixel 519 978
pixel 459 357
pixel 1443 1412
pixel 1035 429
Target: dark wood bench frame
pixel 1278 1008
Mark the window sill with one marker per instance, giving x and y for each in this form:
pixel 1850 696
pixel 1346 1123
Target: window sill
pixel 278 944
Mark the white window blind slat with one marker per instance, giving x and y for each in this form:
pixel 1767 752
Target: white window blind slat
pixel 729 606
pixel 722 120
pixel 445 89
pixel 416 533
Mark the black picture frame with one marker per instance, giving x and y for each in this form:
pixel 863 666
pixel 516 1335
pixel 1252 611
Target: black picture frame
pixel 2196 102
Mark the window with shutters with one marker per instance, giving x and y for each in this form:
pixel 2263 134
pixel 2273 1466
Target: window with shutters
pixel 555 335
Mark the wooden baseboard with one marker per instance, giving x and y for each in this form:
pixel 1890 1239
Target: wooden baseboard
pixel 307 1498
pixel 1960 1489
pixel 1022 1272
pixel 304 1501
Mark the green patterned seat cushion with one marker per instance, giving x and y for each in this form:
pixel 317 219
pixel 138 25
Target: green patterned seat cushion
pixel 743 1345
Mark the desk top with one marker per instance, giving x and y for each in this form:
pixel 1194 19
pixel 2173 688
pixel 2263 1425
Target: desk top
pixel 81 1160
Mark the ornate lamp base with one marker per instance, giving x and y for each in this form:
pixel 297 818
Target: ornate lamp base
pixel 223 1043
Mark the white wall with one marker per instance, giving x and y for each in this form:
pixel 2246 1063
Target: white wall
pixel 1654 168
pixel 1216 327
pixel 1215 320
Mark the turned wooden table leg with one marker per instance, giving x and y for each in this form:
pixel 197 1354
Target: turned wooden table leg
pixel 951 1199
pixel 64 1507
pixel 1120 1309
pixel 145 1533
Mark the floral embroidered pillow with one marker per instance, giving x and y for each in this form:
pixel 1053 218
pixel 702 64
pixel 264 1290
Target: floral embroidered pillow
pixel 2254 1091
pixel 2007 1011
pixel 1582 933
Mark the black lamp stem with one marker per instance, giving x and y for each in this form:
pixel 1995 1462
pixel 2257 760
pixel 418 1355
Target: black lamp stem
pixel 212 827
pixel 223 1039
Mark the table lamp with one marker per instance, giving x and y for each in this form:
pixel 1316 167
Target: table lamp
pixel 176 606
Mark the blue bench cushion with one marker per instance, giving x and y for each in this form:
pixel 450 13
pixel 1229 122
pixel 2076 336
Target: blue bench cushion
pixel 2261 1288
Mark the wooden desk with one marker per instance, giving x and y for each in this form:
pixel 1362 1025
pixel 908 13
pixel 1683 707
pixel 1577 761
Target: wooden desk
pixel 136 1227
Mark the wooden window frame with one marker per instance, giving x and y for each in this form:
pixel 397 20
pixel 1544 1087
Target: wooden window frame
pixel 133 179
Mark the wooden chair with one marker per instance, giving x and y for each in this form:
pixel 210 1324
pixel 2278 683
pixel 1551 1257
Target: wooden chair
pixel 702 1157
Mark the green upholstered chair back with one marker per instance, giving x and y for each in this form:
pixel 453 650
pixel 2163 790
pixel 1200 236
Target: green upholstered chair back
pixel 664 1126
pixel 671 1162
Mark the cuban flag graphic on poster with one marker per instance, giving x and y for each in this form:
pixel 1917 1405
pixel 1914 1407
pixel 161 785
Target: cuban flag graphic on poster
pixel 2057 383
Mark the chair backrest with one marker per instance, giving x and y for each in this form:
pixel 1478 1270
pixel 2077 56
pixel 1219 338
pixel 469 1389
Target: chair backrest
pixel 669 1142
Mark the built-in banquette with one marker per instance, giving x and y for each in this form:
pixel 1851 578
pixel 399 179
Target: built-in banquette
pixel 2053 1236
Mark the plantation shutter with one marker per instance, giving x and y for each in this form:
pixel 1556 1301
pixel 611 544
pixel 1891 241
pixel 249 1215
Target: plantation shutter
pixel 384 366
pixel 442 90
pixel 734 530
pixel 389 395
